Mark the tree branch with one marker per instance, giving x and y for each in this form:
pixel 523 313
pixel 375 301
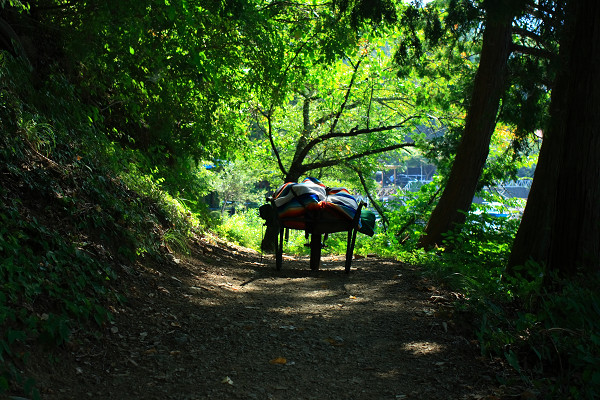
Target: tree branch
pixel 328 117
pixel 341 110
pixel 381 100
pixel 531 35
pixel 335 161
pixel 369 108
pixel 277 89
pixel 384 218
pixel 532 51
pixel 352 133
pixel 272 141
pixel 357 132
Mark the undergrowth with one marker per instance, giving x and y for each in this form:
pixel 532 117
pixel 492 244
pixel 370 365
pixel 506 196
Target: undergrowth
pixel 71 213
pixel 546 328
pixel 247 229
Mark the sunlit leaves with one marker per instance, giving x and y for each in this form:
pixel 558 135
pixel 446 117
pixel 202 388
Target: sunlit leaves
pixel 148 60
pixel 359 92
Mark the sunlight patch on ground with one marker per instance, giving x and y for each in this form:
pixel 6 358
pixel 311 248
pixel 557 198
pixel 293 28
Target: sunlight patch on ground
pixel 423 348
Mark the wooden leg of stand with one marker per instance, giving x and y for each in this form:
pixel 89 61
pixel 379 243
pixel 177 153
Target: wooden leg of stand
pixel 315 251
pixel 350 248
pixel 279 250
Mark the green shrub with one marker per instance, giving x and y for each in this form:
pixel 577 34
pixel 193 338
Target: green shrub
pixel 70 208
pixel 245 228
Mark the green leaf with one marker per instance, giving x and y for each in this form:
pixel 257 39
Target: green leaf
pixel 14 335
pixel 512 359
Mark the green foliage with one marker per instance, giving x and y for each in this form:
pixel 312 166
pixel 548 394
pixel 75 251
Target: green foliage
pixel 546 329
pixel 552 341
pixel 408 213
pixel 162 75
pixel 474 257
pixel 359 11
pixel 66 218
pixel 439 48
pixel 526 102
pixel 49 285
pixel 245 228
pixel 330 104
pixel 172 79
pixel 482 238
pixel 235 184
pixel 104 128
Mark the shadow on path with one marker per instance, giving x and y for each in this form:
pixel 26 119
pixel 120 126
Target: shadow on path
pixel 224 324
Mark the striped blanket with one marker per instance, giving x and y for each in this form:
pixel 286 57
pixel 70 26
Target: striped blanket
pixel 294 200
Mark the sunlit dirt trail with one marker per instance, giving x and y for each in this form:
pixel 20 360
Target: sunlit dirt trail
pixel 222 323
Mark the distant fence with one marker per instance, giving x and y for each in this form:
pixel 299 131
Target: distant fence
pixel 519 188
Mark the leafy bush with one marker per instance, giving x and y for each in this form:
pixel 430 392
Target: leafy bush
pixel 569 324
pixel 70 209
pixel 553 342
pixel 408 214
pixel 245 228
pixel 48 286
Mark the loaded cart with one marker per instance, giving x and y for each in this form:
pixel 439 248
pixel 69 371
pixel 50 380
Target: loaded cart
pixel 317 210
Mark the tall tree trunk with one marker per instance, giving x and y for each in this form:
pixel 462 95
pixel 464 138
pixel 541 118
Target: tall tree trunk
pixel 562 217
pixel 481 120
pixel 533 237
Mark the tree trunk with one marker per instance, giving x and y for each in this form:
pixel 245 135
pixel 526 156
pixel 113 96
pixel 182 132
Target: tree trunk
pixel 480 123
pixel 293 175
pixel 564 202
pixel 533 237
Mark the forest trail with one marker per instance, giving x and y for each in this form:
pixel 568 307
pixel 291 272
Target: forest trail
pixel 222 323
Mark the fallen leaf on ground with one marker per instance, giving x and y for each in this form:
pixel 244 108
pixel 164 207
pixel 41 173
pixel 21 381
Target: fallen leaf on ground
pixel 334 342
pixel 278 361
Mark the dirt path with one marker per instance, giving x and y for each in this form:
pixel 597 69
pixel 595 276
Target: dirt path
pixel 224 324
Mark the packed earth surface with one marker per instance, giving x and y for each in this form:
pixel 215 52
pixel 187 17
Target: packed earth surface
pixel 223 323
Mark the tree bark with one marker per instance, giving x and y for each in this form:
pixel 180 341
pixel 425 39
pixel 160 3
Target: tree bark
pixel 560 227
pixel 473 150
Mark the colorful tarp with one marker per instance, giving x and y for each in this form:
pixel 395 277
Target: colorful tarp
pixel 295 200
